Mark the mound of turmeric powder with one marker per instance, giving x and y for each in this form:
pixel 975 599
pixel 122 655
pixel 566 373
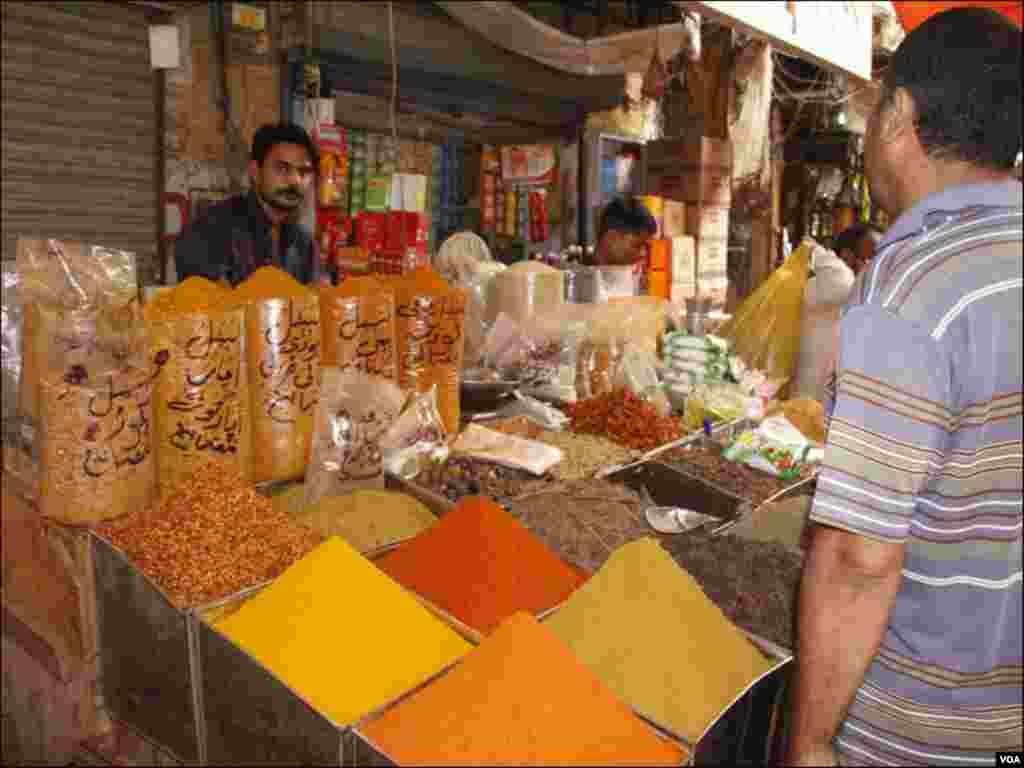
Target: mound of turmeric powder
pixel 195 294
pixel 268 283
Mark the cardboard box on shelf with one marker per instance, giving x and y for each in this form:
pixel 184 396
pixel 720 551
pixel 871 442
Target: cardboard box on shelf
pixel 708 222
pixel 683 262
pixel 408 192
pixel 378 193
pixel 693 171
pixel 674 218
pixel 712 270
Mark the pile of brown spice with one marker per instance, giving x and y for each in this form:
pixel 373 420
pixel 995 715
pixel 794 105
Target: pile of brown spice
pixel 583 521
pixel 754 583
pixel 212 537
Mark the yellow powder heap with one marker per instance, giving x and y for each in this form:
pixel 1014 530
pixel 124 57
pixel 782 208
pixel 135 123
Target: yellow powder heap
pixel 645 628
pixel 192 295
pixel 269 283
pixel 343 635
pixel 520 698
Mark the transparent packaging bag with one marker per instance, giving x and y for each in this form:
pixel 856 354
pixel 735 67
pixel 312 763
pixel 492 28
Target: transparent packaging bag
pixel 359 333
pixel 75 297
pixel 201 408
pixel 96 445
pixel 431 342
pixel 417 434
pixel 765 330
pixel 282 353
pixel 354 413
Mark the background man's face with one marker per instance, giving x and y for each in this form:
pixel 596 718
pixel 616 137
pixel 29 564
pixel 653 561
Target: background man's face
pixel 285 176
pixel 625 248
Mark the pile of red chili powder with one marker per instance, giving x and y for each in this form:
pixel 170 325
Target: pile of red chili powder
pixel 481 565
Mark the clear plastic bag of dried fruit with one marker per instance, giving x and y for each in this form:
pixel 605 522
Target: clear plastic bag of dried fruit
pixel 354 413
pixel 416 436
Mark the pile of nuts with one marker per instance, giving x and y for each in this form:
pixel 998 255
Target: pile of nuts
pixel 625 419
pixel 214 536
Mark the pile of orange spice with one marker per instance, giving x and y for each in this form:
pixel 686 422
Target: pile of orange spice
pixel 520 698
pixel 481 565
pixel 626 419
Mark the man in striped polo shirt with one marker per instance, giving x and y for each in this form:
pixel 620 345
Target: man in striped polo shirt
pixel 909 636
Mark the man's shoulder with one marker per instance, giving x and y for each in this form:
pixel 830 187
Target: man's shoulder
pixel 221 214
pixel 954 255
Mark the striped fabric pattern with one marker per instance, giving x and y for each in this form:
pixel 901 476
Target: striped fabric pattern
pixel 924 448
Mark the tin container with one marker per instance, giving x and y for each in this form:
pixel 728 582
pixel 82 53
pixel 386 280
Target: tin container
pixel 151 679
pixel 250 716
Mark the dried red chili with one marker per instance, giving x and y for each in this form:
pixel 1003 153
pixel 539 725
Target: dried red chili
pixel 625 418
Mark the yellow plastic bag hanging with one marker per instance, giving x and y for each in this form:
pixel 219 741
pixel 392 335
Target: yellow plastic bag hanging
pixel 765 331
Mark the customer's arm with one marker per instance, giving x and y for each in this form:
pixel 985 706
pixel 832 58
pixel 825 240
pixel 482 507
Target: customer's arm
pixel 886 435
pixel 848 588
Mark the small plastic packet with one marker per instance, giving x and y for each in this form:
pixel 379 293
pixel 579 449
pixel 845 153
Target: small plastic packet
pixel 775 447
pixel 417 435
pixel 507 450
pixel 355 411
pixel 539 413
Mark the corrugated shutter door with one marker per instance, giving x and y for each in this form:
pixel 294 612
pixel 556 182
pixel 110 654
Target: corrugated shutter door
pixel 78 125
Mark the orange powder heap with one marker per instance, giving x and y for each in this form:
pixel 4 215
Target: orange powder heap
pixel 356 287
pixel 269 283
pixel 190 296
pixel 481 565
pixel 520 698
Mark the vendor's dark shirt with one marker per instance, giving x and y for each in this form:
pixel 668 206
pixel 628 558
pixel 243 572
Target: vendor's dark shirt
pixel 233 239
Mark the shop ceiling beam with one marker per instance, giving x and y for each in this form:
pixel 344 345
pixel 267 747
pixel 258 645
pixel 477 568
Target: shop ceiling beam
pixel 434 43
pixel 442 92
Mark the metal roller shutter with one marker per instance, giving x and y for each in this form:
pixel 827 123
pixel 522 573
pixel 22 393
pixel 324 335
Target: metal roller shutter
pixel 79 123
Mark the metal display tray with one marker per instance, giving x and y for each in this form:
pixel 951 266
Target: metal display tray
pixel 147 655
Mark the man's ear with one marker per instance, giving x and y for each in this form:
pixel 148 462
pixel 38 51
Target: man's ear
pixel 897 118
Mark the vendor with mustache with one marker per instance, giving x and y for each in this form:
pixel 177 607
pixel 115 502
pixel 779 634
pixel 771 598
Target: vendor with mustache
pixel 239 235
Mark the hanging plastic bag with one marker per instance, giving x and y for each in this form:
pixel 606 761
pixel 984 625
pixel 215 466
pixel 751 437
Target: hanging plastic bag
pixel 638 373
pixel 355 411
pixel 765 331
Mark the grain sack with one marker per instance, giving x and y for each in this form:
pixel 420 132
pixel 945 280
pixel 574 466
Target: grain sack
pixel 200 396
pixel 96 447
pixel 357 321
pixel 79 300
pixel 431 339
